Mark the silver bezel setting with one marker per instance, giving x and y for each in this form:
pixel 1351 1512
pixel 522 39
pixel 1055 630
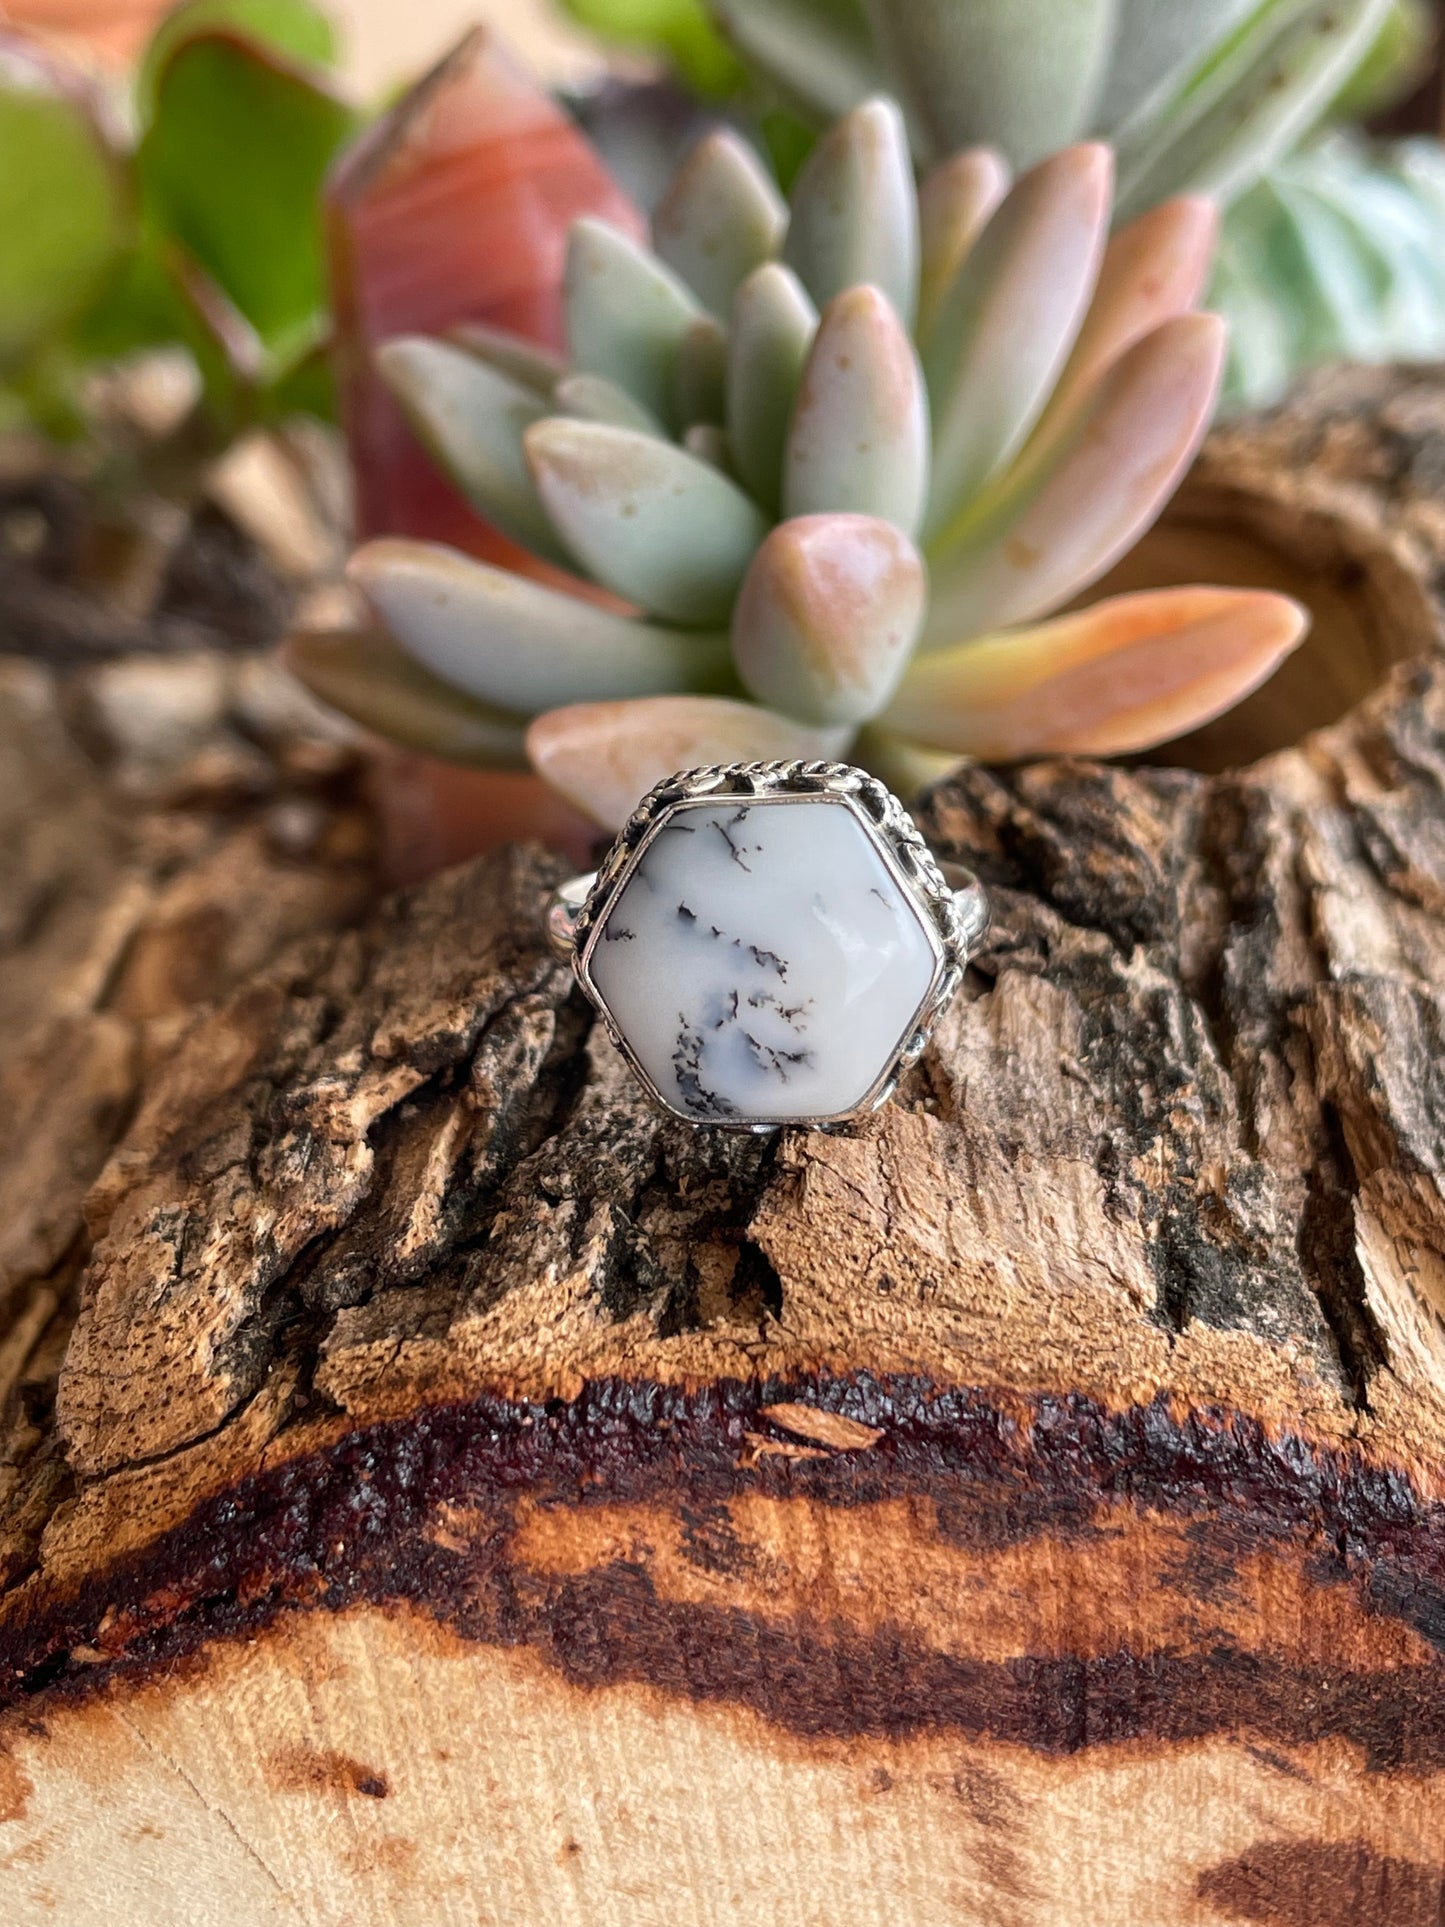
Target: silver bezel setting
pixel 953 919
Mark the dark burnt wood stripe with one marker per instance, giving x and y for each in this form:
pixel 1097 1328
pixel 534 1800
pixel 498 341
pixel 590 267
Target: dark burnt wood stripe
pixel 348 1525
pixel 1320 1883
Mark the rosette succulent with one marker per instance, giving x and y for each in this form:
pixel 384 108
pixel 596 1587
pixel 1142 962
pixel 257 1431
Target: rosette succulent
pixel 818 477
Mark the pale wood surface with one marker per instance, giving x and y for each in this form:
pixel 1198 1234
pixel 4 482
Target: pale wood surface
pixel 454 1494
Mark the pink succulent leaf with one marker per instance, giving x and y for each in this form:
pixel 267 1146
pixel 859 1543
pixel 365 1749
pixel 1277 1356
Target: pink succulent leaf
pixel 604 757
pixel 1066 518
pixel 1123 675
pixel 827 616
pixel 955 200
pixel 1005 327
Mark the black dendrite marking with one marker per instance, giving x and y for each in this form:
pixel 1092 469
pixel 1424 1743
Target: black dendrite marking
pixel 687 1069
pixel 781 1063
pixel 686 915
pixel 790 1014
pixel 887 902
pixel 725 831
pixel 618 933
pixel 730 1015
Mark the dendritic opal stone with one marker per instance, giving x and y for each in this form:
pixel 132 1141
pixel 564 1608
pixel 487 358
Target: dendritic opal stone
pixel 762 961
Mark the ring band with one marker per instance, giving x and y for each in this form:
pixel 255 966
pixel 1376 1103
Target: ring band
pixel 769 943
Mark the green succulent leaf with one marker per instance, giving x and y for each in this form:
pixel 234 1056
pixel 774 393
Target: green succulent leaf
pixel 65 208
pixel 720 218
pixel 369 678
pixel 855 211
pixel 1023 75
pixel 626 314
pixel 1338 252
pixel 858 442
pixel 525 361
pixel 818 51
pixel 710 444
pixel 955 200
pixel 773 324
pixel 1247 102
pixel 699 386
pixel 592 398
pixel 472 418
pixel 645 518
pixel 231 167
pixel 518 646
pixel 295 28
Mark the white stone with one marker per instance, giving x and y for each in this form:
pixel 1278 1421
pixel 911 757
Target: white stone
pixel 763 962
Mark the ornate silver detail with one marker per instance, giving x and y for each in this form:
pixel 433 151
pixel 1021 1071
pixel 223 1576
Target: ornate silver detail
pixel 954 904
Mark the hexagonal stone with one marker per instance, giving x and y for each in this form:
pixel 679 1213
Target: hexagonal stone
pixel 763 961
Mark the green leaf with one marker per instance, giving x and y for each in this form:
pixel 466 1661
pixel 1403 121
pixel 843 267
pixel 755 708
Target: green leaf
pixel 678 29
pixel 855 211
pixel 294 28
pixel 518 646
pixel 720 218
pixel 626 313
pixel 65 208
pixel 818 51
pixel 645 518
pixel 773 323
pixel 232 166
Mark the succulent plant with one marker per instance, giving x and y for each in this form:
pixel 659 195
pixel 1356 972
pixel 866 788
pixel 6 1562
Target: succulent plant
pixel 824 473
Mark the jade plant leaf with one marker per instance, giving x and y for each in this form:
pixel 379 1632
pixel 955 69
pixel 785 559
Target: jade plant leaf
pixel 65 205
pixel 294 28
pixel 231 166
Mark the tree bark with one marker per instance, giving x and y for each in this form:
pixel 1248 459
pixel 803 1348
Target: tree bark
pixel 454 1493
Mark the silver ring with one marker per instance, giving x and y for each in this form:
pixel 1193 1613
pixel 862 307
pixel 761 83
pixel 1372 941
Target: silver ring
pixel 761 964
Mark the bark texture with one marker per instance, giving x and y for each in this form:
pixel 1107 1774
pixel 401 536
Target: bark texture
pixel 437 1489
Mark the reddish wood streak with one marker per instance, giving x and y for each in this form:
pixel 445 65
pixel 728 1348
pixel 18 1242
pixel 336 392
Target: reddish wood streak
pixel 351 1525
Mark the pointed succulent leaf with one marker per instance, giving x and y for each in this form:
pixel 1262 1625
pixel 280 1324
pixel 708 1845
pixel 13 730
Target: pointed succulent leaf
pixel 1128 451
pixel 525 361
pixel 1118 677
pixel 720 218
pixel 645 518
pixel 1158 44
pixel 819 51
pixel 371 679
pixel 855 211
pixel 772 326
pixel 1005 327
pixel 710 444
pixel 955 200
pixel 515 644
pixel 858 441
pixel 626 313
pixel 700 384
pixel 827 616
pixel 605 757
pixel 472 418
pixel 1247 103
pixel 1154 267
pixel 1022 75
pixel 592 398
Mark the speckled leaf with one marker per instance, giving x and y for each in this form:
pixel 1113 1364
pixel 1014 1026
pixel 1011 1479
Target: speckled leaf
pixel 592 398
pixel 472 417
pixel 645 518
pixel 1127 673
pixel 605 757
pixel 955 200
pixel 827 616
pixel 1006 325
pixel 772 326
pixel 858 441
pixel 525 361
pixel 626 313
pixel 720 218
pixel 855 211
pixel 515 644
pixel 368 677
pixel 1092 501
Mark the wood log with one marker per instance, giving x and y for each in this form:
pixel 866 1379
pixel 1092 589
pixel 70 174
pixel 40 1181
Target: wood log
pixel 453 1493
